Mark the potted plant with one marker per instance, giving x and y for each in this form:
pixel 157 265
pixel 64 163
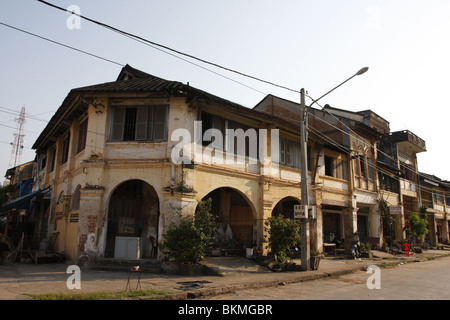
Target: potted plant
pixel 314 260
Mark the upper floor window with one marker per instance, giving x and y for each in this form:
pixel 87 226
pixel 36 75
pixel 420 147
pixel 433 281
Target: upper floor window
pixel 139 123
pixel 52 158
pixel 290 153
pixel 65 149
pixel 364 167
pixel 82 133
pixel 438 198
pixel 388 183
pixel 336 168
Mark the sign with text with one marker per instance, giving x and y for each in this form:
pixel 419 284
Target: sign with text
pixel 395 210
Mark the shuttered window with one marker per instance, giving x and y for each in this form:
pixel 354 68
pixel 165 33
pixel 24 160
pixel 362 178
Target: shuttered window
pixel 139 123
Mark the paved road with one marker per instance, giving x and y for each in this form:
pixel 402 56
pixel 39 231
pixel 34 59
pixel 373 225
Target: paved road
pixel 420 281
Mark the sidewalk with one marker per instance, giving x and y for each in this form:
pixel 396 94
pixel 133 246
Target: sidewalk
pixel 234 273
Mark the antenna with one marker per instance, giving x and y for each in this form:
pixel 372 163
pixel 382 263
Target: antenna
pixel 17 145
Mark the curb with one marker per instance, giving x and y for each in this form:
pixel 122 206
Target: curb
pixel 254 285
pixel 208 292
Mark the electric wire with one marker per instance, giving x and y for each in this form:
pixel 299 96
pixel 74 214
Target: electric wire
pixel 61 44
pixel 159 46
pixel 141 39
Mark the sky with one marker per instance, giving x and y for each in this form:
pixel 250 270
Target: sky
pixel 307 44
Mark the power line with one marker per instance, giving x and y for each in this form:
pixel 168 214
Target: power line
pixel 157 46
pixel 141 39
pixel 61 44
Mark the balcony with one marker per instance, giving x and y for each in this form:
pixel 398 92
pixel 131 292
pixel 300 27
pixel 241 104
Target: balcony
pixel 408 140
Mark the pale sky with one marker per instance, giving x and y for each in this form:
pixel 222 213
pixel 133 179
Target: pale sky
pixel 298 44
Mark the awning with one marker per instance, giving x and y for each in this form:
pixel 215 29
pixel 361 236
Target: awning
pixel 16 203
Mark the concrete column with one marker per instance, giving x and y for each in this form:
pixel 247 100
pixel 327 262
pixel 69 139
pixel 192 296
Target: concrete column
pixel 350 226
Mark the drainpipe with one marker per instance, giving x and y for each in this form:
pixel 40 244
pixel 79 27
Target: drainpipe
pixel 172 178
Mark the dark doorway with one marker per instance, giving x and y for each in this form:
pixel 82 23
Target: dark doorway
pixel 235 217
pixel 132 221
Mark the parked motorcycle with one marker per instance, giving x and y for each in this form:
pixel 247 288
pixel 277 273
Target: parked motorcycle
pixel 354 249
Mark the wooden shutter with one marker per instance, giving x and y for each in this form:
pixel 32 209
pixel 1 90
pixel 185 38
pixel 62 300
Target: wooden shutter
pixel 160 123
pixel 117 123
pixel 141 123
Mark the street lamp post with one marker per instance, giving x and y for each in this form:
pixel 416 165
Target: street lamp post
pixel 305 239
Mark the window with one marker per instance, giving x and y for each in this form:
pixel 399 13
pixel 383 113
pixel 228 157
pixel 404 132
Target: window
pixel 210 121
pixel 407 171
pixel 388 183
pixel 65 149
pixel 362 166
pixel 82 132
pixel 369 167
pixel 336 168
pixel 242 140
pixel 438 198
pixel 52 159
pixel 289 153
pixel 139 123
pixel 42 161
pixel 329 166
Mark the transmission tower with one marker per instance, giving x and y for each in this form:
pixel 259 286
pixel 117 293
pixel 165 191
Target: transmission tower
pixel 17 145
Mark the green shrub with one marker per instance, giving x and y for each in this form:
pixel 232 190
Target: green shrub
pixel 190 239
pixel 417 227
pixel 283 234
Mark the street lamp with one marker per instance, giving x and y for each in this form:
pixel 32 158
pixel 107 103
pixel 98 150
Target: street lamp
pixel 305 242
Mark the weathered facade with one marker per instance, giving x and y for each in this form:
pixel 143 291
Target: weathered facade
pixel 110 152
pixel 125 158
pixel 399 178
pixel 435 201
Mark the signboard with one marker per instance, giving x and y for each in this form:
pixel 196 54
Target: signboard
pixel 395 210
pixel 303 212
pixel 300 211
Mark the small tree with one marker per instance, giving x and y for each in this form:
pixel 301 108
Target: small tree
pixel 283 234
pixel 417 227
pixel 190 239
pixel 207 223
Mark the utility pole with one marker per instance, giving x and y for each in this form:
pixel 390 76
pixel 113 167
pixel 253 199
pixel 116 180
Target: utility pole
pixel 305 245
pixel 305 238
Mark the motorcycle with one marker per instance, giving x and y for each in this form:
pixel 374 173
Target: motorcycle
pixel 354 249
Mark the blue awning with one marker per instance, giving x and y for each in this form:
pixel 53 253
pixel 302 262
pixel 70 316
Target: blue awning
pixel 18 202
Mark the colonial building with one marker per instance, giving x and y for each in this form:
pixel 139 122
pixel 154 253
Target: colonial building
pixel 435 201
pixel 125 158
pixel 398 178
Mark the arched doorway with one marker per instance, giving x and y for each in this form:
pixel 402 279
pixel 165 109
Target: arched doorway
pixel 235 215
pixel 133 216
pixel 285 207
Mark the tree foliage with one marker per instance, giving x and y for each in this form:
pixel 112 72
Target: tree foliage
pixel 417 227
pixel 283 234
pixel 192 238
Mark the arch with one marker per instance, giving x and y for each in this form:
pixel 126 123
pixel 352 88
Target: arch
pixel 133 215
pixel 236 215
pixel 285 207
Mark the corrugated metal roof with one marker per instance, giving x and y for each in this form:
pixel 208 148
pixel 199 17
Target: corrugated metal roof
pixel 139 81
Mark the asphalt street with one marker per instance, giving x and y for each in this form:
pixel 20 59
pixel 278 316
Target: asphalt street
pixel 426 280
